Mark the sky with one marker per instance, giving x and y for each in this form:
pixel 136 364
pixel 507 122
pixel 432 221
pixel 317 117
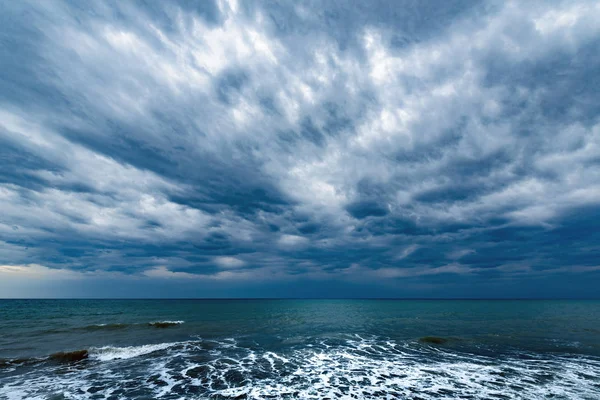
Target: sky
pixel 300 148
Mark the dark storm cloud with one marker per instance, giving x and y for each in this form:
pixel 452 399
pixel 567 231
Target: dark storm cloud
pixel 396 145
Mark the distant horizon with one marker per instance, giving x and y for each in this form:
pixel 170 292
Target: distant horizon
pixel 301 298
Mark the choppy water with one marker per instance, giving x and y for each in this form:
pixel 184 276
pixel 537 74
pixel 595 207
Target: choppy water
pixel 309 349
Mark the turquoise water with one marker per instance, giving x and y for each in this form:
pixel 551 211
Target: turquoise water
pixel 196 349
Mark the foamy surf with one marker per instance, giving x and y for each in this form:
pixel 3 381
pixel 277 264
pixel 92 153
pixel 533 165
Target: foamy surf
pixel 355 368
pixel 165 324
pixel 108 353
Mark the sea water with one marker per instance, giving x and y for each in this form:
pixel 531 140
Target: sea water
pixel 305 349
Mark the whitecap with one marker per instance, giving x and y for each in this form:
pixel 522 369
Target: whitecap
pixel 108 353
pixel 164 324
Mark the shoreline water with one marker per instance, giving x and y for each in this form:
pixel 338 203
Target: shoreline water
pixel 363 349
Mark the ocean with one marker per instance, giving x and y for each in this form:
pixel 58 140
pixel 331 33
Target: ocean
pixel 299 349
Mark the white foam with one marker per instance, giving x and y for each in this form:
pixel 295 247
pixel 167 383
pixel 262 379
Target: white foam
pixel 358 369
pixel 366 370
pixel 108 353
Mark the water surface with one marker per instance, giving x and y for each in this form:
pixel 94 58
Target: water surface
pixel 354 349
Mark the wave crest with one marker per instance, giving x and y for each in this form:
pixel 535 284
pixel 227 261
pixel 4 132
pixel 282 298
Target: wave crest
pixel 69 356
pixel 165 324
pixel 97 327
pixel 108 353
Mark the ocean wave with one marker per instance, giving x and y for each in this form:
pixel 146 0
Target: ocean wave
pixel 95 327
pixel 108 353
pixel 119 326
pixel 165 324
pixel 433 340
pixel 14 363
pixel 62 357
pixel 69 356
pixel 105 353
pixel 357 368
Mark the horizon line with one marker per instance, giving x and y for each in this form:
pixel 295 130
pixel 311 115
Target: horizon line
pixel 301 298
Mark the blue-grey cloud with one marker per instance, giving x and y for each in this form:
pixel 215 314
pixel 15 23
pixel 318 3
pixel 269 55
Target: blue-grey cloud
pixel 407 148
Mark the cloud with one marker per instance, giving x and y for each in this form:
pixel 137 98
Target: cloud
pixel 35 272
pixel 247 142
pixel 229 262
pixel 288 241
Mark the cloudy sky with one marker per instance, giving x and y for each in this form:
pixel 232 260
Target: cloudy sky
pixel 415 148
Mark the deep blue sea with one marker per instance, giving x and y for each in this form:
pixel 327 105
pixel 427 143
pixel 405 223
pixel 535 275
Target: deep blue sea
pixel 305 349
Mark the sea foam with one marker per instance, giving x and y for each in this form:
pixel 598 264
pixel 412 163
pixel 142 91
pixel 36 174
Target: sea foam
pixel 108 353
pixel 355 368
pixel 165 324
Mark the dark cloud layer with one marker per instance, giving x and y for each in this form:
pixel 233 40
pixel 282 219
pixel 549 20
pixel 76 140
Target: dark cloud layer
pixel 196 148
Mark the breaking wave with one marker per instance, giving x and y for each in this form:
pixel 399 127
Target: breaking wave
pixel 98 327
pixel 119 326
pixel 353 368
pixel 165 324
pixel 108 353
